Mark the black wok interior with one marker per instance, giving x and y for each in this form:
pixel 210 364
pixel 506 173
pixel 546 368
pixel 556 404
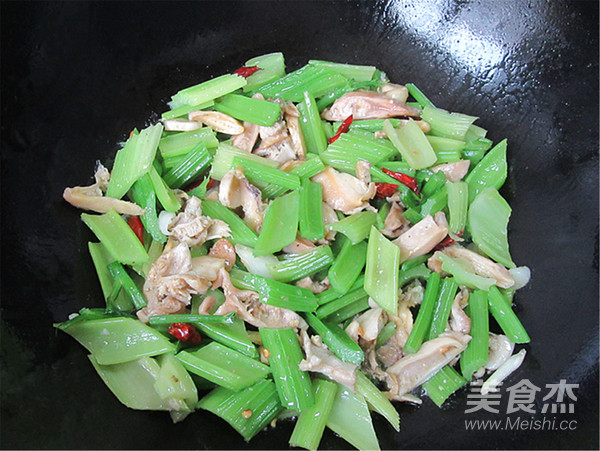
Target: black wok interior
pixel 77 77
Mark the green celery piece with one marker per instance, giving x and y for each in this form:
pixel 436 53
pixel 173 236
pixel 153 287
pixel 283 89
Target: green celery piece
pixel 350 71
pixel 248 109
pixel 474 156
pixel 443 306
pixel 192 318
pixel 490 171
pixel 174 381
pixel 357 145
pixel 356 227
pixel 442 384
pixel 240 232
pixel 194 164
pixel 200 190
pixel 164 194
pixel 232 335
pixel 435 203
pixel 327 128
pixel 418 272
pixel 446 124
pixel 418 95
pixel 351 420
pixel 154 251
pixel 331 294
pixel 386 333
pixel 440 144
pixel 347 266
pixel 224 366
pixel 308 168
pixel 433 184
pixel 369 125
pixel 223 160
pixel 310 220
pixel 133 160
pixel 280 224
pixel 272 67
pixel 114 340
pixel 208 90
pixel 257 173
pixel 180 144
pixel 142 193
pixel 117 237
pixel 424 317
pixel 412 144
pixel 293 385
pixel 505 317
pixel 133 382
pixel 376 400
pixel 481 144
pixel 476 353
pixel 121 277
pixel 414 262
pixel 348 311
pixel 260 399
pixel 101 259
pixel 310 123
pixel 299 266
pixel 382 214
pixel 381 273
pixel 474 132
pixel 488 223
pixel 331 96
pixel 329 308
pixel 458 205
pixel 311 422
pixel 398 166
pixel 184 110
pixel 337 340
pixel 463 273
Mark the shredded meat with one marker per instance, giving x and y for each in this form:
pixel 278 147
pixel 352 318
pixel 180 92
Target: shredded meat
pixel 422 237
pixel 235 191
pixel 207 304
pixel 454 171
pixel 225 250
pixel 395 223
pixel 344 192
pixel 459 321
pixel 299 246
pixel 314 286
pixel 367 105
pixel 482 266
pixel 189 226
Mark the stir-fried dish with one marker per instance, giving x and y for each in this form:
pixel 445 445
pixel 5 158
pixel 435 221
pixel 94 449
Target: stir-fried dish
pixel 316 244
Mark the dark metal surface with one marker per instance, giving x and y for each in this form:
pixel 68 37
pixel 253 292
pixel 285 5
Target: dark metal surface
pixel 77 77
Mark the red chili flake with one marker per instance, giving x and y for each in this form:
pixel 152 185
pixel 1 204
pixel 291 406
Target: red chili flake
pixel 185 332
pixel 448 241
pixel 385 189
pixel 136 225
pixel 211 183
pixel 246 71
pixel 342 129
pixel 407 180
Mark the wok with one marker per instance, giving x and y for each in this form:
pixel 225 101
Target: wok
pixel 77 77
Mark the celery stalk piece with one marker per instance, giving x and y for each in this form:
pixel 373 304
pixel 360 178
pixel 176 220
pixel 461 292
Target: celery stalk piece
pixel 184 110
pixel 442 384
pixel 439 143
pixel 133 160
pixel 331 294
pixel 433 184
pixel 441 312
pixel 293 385
pixel 490 171
pixel 142 193
pixel 398 166
pixel 180 144
pixel 474 156
pixel 446 124
pixel 280 224
pixel 275 293
pixel 350 71
pixel 418 95
pixel 337 340
pixel 316 80
pixel 223 366
pixel 458 205
pixel 116 339
pixel 272 67
pixel 488 222
pixel 412 144
pixel 381 273
pixel 331 307
pixel 248 109
pixel 382 214
pixel 257 171
pixel 376 400
pixel 368 125
pixel 476 353
pixel 174 382
pixel 435 203
pixel 312 166
pixel 310 219
pixel 241 233
pixel 348 311
pixel 386 333
pixel 208 90
pixel 463 273
pixel 311 422
pixel 310 123
pixel 232 335
pixel 506 318
pixel 424 317
pixel 117 237
pixel 191 318
pixel 331 96
pixel 356 227
pixel 347 266
pixel 193 165
pixel 133 382
pixel 301 265
pixel 101 259
pixel 354 146
pixel 121 277
pixel 351 420
pixel 164 194
pixel 474 132
pixel 481 144
pixel 248 411
pixel 223 160
pixel 418 272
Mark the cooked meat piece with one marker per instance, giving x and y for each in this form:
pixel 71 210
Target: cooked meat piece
pixel 92 197
pixel 292 120
pixel 276 143
pixel 247 139
pixel 500 349
pixel 344 192
pixel 434 264
pixel 225 250
pixel 329 217
pixel 394 91
pixel 189 226
pixel 235 191
pixel 208 267
pixel 314 286
pixel 319 359
pixel 454 171
pixel 207 305
pixel 459 321
pixel 367 105
pixel 219 122
pixel 395 224
pixel 422 237
pixel 363 171
pixel 482 266
pixel 299 246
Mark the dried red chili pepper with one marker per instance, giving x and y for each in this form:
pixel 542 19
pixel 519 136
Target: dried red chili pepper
pixel 448 241
pixel 406 180
pixel 136 225
pixel 246 71
pixel 385 189
pixel 185 332
pixel 343 128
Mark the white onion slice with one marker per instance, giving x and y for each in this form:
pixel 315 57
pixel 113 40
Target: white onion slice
pixel 505 370
pixel 164 219
pixel 174 125
pixel 521 275
pixel 500 350
pixel 255 265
